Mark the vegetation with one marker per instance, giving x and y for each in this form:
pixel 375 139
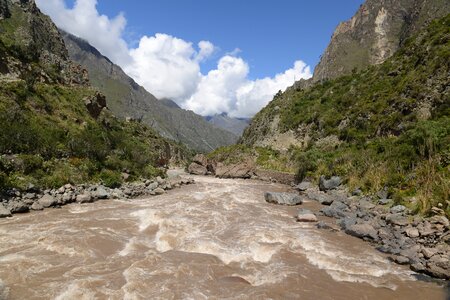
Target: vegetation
pixel 391 121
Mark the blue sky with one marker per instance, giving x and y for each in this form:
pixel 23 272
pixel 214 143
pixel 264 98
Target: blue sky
pixel 208 56
pixel 271 34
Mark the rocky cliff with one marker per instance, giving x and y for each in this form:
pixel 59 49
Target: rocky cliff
pixel 375 33
pixel 233 125
pixel 127 99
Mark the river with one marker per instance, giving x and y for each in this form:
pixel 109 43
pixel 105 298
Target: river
pixel 216 239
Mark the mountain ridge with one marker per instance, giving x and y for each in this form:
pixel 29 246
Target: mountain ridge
pixel 127 99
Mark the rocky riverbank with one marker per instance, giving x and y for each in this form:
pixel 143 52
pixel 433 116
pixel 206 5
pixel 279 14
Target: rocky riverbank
pixel 410 239
pixel 35 199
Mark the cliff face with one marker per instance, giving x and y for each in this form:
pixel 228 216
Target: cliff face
pixel 127 99
pixel 29 38
pixel 375 33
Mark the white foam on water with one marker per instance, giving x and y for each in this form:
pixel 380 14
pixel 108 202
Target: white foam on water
pixel 130 246
pixel 11 258
pixel 76 291
pixel 364 267
pixel 147 217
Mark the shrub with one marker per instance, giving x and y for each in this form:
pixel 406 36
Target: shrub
pixel 111 179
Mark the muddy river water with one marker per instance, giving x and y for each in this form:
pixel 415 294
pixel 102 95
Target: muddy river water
pixel 216 239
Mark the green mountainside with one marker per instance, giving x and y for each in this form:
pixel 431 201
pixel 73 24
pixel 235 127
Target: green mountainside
pixel 56 129
pixel 387 126
pixel 127 99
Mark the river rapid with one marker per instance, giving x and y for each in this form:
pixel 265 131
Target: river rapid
pixel 216 239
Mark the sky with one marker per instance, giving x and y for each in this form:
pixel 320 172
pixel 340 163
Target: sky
pixel 208 56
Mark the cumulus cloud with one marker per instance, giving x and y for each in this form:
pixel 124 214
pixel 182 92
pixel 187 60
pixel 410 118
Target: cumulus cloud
pixel 170 67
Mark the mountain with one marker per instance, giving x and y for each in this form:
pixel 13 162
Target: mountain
pixel 377 30
pixel 384 127
pixel 54 127
pixel 233 125
pixel 127 99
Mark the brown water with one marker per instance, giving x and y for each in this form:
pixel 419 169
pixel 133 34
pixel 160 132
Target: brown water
pixel 216 239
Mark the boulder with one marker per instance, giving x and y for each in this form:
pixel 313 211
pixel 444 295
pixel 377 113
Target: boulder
pixel 240 170
pixel 152 186
pixel 362 231
pixel 412 232
pixel 159 191
pixel 200 159
pixel 160 180
pixel 305 215
pixel 330 184
pixel 18 207
pixel 101 193
pixel 4 212
pixel 48 201
pixel 425 229
pixel 84 198
pixel 37 206
pixel 397 219
pixel 197 169
pixel 397 209
pixel 303 186
pixel 440 220
pixel 283 198
pixel 337 209
pixel 401 260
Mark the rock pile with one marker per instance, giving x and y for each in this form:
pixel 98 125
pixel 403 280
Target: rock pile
pixel 421 243
pixel 34 199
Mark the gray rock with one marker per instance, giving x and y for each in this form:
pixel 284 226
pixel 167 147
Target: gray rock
pixel 48 201
pixel 29 196
pixel 37 206
pixel 323 225
pixel 18 207
pixel 283 198
pixel 4 212
pixel 425 229
pixel 412 232
pixel 197 169
pixel 84 198
pixel 385 201
pixel 330 184
pixel 397 219
pixel 397 209
pixel 101 193
pixel 303 186
pixel 439 220
pixel 160 180
pixel 357 192
pixel 401 260
pixel 305 215
pixel 429 252
pixel 362 231
pixel 152 186
pixel 159 191
pixel 337 209
pixel 366 205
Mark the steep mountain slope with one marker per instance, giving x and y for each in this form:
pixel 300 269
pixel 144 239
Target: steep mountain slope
pixel 127 99
pixel 233 125
pixel 384 127
pixel 375 33
pixel 54 128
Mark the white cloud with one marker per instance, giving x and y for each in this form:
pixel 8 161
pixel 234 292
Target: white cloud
pixel 169 67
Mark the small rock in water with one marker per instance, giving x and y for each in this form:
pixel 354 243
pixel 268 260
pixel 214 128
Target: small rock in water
pixel 283 198
pixel 159 191
pixel 305 215
pixel 401 260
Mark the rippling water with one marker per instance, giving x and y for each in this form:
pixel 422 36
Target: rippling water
pixel 216 239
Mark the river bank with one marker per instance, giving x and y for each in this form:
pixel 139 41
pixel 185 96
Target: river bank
pixel 34 199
